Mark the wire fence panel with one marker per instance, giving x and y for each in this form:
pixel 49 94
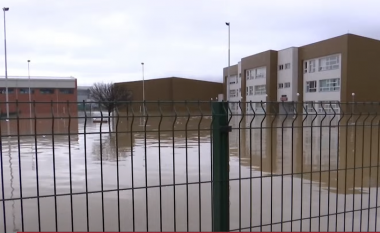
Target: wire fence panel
pixel 150 166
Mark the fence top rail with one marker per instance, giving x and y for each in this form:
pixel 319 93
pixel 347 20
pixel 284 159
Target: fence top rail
pixel 197 102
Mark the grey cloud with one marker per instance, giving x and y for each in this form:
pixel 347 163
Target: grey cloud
pixel 96 40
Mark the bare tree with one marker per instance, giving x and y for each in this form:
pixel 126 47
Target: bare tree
pixel 110 95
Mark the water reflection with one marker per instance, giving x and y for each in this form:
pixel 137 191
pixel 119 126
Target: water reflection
pixel 285 166
pixel 318 153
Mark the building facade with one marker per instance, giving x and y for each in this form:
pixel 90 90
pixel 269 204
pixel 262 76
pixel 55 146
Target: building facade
pixel 51 95
pixel 174 89
pixel 340 69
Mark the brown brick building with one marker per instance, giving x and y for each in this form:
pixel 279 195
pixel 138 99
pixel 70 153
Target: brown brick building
pixel 60 90
pixel 174 89
pixel 340 69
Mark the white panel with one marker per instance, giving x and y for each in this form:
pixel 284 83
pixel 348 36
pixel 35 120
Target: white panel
pixel 288 60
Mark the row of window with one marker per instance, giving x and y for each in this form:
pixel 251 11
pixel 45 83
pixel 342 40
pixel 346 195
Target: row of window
pixel 251 90
pixel 256 90
pixel 283 85
pixel 325 85
pixel 282 67
pixel 41 90
pixel 256 73
pixel 234 79
pixel 325 63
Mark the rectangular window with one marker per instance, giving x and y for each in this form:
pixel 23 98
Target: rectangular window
pixel 10 91
pixel 232 93
pixel 287 66
pixel 287 85
pixel 260 72
pixel 311 86
pixel 66 91
pixel 280 85
pixel 327 85
pixel 329 63
pixel 250 90
pixel 311 66
pixel 260 90
pixel 26 90
pixel 47 91
pixel 281 67
pixel 233 79
pixel 248 74
pixel 305 67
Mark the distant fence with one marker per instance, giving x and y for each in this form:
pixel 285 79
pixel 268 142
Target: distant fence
pixel 191 166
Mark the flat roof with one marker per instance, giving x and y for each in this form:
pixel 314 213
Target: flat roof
pixel 172 77
pixel 39 77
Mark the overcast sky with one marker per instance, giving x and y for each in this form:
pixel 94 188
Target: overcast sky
pixel 95 40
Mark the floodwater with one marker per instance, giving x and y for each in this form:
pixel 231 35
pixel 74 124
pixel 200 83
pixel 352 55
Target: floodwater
pixel 283 176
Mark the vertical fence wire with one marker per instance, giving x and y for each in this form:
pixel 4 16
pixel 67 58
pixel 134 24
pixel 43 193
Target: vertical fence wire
pixel 132 172
pixel 19 166
pixel 117 167
pixel 370 163
pixel 283 129
pixel 159 163
pixel 85 164
pixel 37 173
pixel 101 164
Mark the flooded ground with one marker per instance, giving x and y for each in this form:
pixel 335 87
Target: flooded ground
pixel 285 175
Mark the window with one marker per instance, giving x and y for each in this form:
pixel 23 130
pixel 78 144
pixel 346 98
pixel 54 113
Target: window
pixel 311 86
pixel 311 66
pixel 329 63
pixel 287 85
pixel 47 91
pixel 281 67
pixel 248 74
pixel 232 93
pixel 66 91
pixel 287 66
pixel 260 90
pixel 280 85
pixel 305 67
pixel 250 90
pixel 329 85
pixel 260 72
pixel 3 91
pixel 25 91
pixel 233 79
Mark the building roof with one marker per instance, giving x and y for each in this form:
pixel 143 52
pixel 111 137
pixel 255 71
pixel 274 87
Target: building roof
pixel 173 77
pixel 39 77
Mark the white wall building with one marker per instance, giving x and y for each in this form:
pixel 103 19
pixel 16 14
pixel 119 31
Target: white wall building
pixel 234 90
pixel 287 78
pixel 321 79
pixel 256 88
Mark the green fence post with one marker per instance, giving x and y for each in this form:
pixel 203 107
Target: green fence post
pixel 220 183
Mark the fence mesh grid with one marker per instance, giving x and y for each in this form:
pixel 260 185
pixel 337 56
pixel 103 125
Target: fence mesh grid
pixel 148 166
